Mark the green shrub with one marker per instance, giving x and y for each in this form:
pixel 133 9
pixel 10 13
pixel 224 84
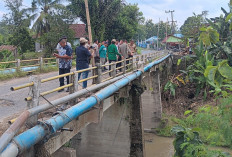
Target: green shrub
pixel 188 144
pixel 213 123
pixel 31 55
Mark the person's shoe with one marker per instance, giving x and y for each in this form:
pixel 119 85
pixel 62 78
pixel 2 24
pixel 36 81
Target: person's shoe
pixel 61 90
pixel 67 90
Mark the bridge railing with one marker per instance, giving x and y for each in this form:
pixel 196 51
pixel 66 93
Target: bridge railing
pixel 134 63
pixel 127 65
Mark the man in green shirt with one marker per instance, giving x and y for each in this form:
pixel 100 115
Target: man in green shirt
pixel 113 52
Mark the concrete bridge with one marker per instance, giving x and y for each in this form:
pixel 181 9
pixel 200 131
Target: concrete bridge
pixel 109 123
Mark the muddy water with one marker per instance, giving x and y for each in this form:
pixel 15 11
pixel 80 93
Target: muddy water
pixel 156 146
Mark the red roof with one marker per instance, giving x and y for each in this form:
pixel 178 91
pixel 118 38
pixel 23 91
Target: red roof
pixel 8 47
pixel 165 39
pixel 79 30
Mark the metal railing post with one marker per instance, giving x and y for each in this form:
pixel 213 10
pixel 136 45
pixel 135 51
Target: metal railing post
pixel 132 64
pixel 18 65
pixel 34 92
pixel 57 62
pixel 145 59
pixel 113 67
pixel 73 88
pixel 41 63
pixel 72 80
pixel 98 72
pixel 124 66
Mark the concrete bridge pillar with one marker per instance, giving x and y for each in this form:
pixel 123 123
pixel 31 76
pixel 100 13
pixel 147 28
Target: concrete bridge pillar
pixel 136 125
pixel 151 100
pixel 156 94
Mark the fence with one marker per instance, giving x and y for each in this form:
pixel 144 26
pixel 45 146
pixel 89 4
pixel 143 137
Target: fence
pixel 27 65
pixel 33 100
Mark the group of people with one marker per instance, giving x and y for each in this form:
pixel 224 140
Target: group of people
pixel 98 52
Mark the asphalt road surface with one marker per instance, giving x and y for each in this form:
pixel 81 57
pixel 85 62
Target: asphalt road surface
pixel 12 102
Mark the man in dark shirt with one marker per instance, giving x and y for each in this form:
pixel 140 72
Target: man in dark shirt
pixel 65 61
pixel 82 60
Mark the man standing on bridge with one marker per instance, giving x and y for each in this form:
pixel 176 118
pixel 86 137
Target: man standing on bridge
pixel 124 50
pixel 113 52
pixel 82 60
pixel 65 61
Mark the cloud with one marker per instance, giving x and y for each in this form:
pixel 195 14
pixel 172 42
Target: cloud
pixel 155 9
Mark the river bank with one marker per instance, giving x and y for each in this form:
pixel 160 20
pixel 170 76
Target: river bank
pixel 158 146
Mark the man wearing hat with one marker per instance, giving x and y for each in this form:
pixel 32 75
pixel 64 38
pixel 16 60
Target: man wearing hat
pixel 59 47
pixel 82 60
pixel 113 52
pixel 65 61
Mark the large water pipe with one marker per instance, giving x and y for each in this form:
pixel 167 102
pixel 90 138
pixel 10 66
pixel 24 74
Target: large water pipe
pixel 8 135
pixel 32 136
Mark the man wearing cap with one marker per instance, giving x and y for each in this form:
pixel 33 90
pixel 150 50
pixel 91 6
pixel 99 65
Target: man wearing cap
pixel 65 61
pixel 82 60
pixel 113 52
pixel 59 47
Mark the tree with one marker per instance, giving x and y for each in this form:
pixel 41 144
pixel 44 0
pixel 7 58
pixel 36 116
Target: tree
pixel 22 39
pixel 102 14
pixel 126 24
pixel 47 12
pixel 109 19
pixel 15 26
pixel 50 21
pixel 140 33
pixel 16 18
pixel 223 48
pixel 162 29
pixel 150 29
pixel 191 26
pixel 51 38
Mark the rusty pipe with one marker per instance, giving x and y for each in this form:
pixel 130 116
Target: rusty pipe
pixel 13 129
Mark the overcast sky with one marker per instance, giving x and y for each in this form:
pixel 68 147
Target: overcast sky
pixel 155 9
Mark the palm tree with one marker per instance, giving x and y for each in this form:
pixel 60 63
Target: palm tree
pixel 44 14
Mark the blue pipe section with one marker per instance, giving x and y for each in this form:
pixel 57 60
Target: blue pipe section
pixel 25 69
pixel 32 136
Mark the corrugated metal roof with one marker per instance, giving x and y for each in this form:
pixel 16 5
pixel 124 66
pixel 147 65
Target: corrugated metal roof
pixel 173 39
pixel 8 47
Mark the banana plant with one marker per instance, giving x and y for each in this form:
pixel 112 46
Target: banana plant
pixel 220 78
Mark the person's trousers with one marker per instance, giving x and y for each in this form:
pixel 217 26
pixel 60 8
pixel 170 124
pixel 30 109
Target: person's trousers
pixel 63 71
pixel 111 61
pixel 84 76
pixel 103 61
pixel 119 64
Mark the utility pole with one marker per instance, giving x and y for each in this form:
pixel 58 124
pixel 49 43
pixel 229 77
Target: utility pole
pixel 173 22
pixel 88 21
pixel 158 35
pixel 166 34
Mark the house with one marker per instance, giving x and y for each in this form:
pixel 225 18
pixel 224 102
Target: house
pixel 172 41
pixel 79 30
pixel 11 48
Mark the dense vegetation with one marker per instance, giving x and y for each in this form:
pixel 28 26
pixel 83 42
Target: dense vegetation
pixel 46 21
pixel 189 144
pixel 210 73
